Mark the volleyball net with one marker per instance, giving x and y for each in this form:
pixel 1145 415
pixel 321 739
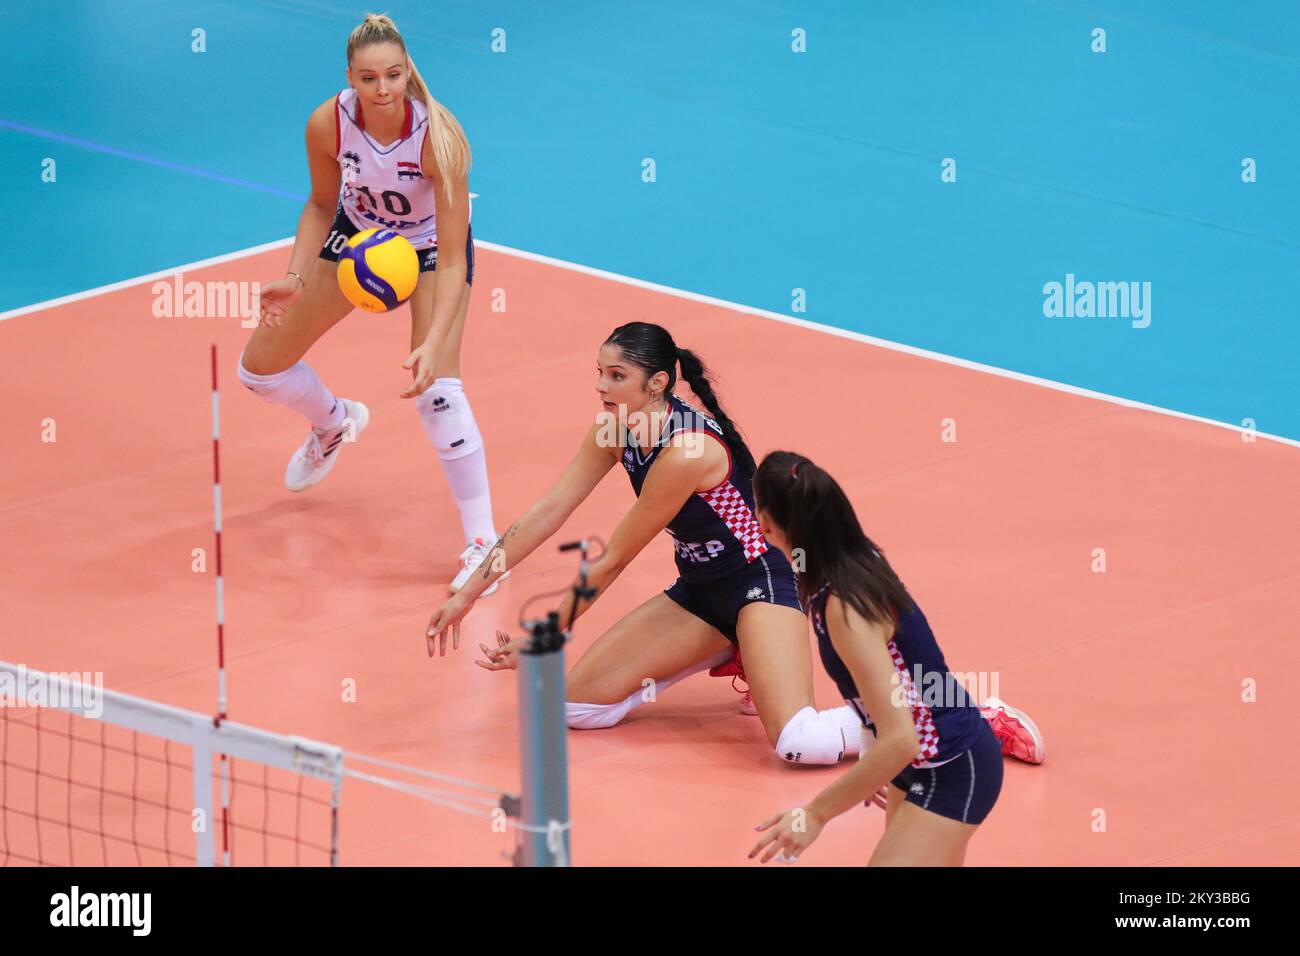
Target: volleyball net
pixel 94 777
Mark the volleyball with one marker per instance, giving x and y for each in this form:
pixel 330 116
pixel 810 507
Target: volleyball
pixel 378 270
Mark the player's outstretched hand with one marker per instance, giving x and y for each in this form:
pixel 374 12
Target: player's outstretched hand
pixel 276 297
pixel 420 362
pixel 502 657
pixel 447 618
pixel 788 834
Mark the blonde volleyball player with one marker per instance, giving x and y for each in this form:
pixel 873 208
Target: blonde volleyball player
pixel 402 162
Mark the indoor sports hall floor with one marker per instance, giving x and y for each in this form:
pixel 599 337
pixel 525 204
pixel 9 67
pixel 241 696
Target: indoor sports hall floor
pixel 1135 675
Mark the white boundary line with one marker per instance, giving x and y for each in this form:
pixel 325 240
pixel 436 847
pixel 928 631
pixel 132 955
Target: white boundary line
pixel 691 297
pixel 138 280
pixel 872 340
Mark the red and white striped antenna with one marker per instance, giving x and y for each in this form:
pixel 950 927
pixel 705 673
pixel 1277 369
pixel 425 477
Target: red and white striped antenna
pixel 221 611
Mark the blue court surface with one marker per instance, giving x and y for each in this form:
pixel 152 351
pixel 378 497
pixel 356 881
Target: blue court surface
pixel 774 170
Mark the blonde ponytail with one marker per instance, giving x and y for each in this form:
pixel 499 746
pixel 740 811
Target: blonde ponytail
pixel 450 146
pixel 451 149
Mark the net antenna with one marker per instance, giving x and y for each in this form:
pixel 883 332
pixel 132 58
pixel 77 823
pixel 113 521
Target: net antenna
pixel 220 715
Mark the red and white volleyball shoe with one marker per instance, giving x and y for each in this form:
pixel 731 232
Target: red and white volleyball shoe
pixel 1019 736
pixel 736 671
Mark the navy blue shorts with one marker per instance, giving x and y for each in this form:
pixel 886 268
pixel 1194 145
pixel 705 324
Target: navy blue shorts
pixel 965 788
pixel 768 579
pixel 342 229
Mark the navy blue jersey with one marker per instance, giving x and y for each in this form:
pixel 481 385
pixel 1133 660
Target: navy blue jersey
pixel 947 721
pixel 715 533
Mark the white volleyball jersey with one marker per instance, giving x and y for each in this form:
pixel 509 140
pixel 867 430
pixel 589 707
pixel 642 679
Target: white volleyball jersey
pixel 385 185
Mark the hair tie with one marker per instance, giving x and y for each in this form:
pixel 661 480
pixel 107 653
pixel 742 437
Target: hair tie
pixel 794 471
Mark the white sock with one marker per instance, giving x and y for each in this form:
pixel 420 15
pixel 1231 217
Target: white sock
pixel 582 716
pixel 449 422
pixel 297 387
pixel 476 511
pixel 720 658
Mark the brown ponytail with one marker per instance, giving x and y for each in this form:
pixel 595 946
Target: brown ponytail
pixel 829 545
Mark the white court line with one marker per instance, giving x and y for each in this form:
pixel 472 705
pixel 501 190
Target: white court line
pixel 691 297
pixel 139 280
pixel 872 340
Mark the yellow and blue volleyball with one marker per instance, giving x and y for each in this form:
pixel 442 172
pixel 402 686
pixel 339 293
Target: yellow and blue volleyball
pixel 378 270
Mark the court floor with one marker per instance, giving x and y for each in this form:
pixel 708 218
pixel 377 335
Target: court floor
pixel 1136 674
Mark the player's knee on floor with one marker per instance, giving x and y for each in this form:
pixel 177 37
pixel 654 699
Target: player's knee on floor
pixel 597 716
pixel 448 419
pixel 812 738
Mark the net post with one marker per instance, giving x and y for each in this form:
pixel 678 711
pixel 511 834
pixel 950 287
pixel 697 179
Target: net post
pixel 204 839
pixel 543 749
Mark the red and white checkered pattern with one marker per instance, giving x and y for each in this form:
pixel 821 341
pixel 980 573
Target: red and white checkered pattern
pixel 926 732
pixel 729 505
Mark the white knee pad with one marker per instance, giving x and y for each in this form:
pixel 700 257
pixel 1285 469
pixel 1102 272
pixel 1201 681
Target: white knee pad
pixel 865 740
pixel 297 387
pixel 598 716
pixel 811 737
pixel 448 419
pixel 283 388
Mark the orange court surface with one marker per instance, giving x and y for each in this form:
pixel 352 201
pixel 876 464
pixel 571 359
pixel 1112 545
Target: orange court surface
pixel 993 496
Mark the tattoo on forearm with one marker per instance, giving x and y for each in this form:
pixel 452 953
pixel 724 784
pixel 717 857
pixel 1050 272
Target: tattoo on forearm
pixel 498 553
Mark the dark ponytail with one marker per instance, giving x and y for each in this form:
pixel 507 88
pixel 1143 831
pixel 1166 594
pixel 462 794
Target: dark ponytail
pixel 826 540
pixel 697 377
pixel 650 348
